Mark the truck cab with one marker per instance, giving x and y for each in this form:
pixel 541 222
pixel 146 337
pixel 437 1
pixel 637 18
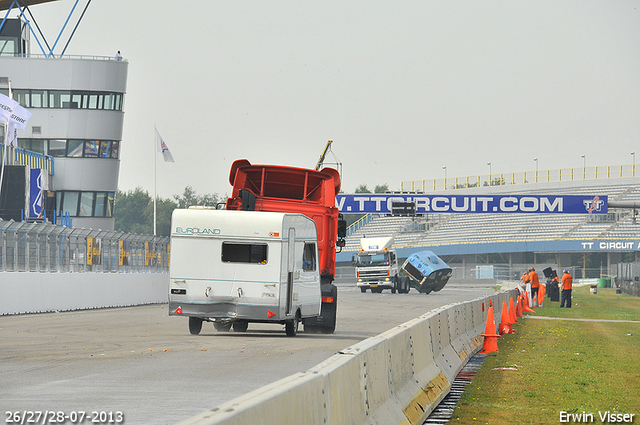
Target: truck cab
pixel 377 266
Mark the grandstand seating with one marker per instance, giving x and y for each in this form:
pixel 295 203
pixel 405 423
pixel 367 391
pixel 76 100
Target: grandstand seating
pixel 442 229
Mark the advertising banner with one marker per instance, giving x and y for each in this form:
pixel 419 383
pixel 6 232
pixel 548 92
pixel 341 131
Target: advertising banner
pixel 150 254
pixel 478 204
pixel 124 253
pixel 37 187
pixel 94 251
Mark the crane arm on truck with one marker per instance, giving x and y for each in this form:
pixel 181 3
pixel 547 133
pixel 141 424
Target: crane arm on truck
pixel 323 155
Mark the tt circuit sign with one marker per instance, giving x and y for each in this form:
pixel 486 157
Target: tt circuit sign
pixel 547 204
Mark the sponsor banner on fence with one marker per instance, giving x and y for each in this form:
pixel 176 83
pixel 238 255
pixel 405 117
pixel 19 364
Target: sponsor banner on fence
pixel 479 204
pixel 37 187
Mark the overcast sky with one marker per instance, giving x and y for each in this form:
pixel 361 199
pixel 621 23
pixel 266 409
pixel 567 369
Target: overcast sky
pixel 403 88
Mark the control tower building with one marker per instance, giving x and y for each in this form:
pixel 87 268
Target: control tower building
pixel 77 106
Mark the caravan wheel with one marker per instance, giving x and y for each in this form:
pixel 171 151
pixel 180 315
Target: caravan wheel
pixel 240 326
pixel 222 327
pixel 291 326
pixel 195 325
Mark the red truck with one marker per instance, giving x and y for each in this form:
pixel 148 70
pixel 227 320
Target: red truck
pixel 309 192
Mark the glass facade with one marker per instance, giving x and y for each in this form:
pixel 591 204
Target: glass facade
pixel 73 148
pixel 85 204
pixel 67 99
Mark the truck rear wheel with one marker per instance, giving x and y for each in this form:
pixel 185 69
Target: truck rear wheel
pixel 405 285
pixel 329 329
pixel 195 325
pixel 330 312
pixel 326 322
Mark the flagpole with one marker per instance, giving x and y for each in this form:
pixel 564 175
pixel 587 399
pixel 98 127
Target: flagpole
pixel 155 167
pixel 5 131
pixel 4 152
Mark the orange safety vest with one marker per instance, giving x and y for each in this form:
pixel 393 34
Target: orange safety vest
pixel 533 277
pixel 567 281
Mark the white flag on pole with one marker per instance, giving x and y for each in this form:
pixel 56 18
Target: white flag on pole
pixel 6 107
pixel 12 134
pixel 162 147
pixel 17 116
pixel 20 116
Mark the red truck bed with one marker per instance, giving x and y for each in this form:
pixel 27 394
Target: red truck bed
pixel 292 190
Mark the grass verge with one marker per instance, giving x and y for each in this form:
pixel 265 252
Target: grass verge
pixel 551 366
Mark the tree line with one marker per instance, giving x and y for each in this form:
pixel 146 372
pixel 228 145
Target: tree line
pixel 134 209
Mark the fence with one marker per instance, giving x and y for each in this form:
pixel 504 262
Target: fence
pixel 514 272
pixel 358 224
pixel 628 278
pixel 44 247
pixel 20 156
pixel 501 179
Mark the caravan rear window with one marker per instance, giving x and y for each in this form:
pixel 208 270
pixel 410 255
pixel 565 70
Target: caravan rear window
pixel 244 253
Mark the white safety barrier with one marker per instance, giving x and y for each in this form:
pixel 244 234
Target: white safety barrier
pixel 25 292
pixel 397 377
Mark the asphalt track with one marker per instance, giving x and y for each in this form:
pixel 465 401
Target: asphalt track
pixel 141 362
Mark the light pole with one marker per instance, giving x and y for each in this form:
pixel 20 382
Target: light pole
pixel 633 164
pixel 584 167
pixel 489 164
pixel 536 161
pixel 444 167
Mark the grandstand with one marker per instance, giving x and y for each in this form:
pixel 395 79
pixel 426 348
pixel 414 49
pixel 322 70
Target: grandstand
pixel 461 237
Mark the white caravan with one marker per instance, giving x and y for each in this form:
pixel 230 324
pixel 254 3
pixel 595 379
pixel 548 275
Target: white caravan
pixel 236 267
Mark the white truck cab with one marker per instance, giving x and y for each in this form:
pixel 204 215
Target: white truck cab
pixel 237 267
pixel 377 266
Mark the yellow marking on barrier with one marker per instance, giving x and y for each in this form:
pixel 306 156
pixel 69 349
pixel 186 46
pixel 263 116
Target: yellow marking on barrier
pixel 415 409
pixel 476 342
pixel 463 354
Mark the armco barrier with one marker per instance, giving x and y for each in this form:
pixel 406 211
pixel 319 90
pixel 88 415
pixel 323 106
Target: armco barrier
pixel 397 377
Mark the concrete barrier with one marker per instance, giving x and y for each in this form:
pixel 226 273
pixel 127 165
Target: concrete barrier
pixel 29 292
pixel 397 377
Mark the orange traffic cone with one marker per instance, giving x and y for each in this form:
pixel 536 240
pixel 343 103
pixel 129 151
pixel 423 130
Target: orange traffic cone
pixel 512 312
pixel 490 344
pixel 519 306
pixel 505 324
pixel 526 308
pixel 541 292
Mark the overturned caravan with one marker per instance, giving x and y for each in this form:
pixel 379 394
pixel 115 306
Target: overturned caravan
pixel 427 272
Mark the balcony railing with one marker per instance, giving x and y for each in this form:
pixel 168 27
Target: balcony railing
pixel 523 177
